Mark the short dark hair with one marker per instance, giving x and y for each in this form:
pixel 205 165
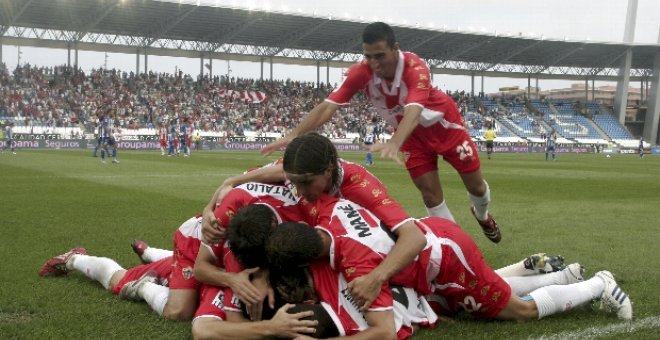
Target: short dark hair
pixel 248 232
pixel 293 244
pixel 378 31
pixel 311 153
pixel 294 284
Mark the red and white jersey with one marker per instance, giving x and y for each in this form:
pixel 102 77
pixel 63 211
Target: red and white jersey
pixel 360 186
pixel 359 240
pixel 162 133
pixel 278 198
pixel 411 86
pixel 332 290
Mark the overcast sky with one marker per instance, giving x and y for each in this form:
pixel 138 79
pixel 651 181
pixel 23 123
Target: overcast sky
pixel 594 20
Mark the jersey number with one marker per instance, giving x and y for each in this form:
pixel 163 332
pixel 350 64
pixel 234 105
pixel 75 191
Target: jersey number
pixel 470 304
pixel 464 150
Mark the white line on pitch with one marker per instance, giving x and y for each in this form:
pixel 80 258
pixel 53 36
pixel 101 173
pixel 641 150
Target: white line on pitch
pixel 609 330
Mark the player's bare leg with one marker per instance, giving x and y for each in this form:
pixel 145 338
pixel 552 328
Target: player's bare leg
pixel 429 186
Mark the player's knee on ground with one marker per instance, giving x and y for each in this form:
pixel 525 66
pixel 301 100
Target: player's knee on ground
pixel 204 328
pixel 519 310
pixel 178 312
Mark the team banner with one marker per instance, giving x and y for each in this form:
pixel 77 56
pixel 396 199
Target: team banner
pixel 241 144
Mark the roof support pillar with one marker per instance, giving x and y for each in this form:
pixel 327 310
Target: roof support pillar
pixel 327 71
pixel 472 84
pixel 0 50
pixel 211 69
pixel 137 62
pixel 482 93
pixel 75 51
pixel 529 86
pixel 271 68
pixel 653 109
pixel 537 87
pixel 586 91
pixel 262 69
pixel 68 55
pixel 201 66
pixel 621 96
pixel 318 74
pixel 146 61
pixel 593 89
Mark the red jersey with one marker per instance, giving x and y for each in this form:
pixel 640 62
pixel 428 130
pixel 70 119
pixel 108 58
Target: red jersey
pixel 360 186
pixel 451 266
pixel 411 86
pixel 279 198
pixel 162 133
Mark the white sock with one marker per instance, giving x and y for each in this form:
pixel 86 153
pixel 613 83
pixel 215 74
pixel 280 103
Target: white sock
pixel 480 204
pixel 152 254
pixel 441 210
pixel 522 285
pixel 516 269
pixel 555 299
pixel 96 268
pixel 155 295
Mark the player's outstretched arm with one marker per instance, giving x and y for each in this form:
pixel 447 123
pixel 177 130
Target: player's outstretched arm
pixel 319 115
pixel 282 325
pixel 207 272
pixel 403 131
pixel 410 242
pixel 381 326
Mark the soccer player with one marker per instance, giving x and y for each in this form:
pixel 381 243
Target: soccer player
pixel 451 267
pixel 339 315
pixel 99 131
pixel 641 147
pixel 172 138
pixel 108 272
pixel 9 138
pixel 550 141
pixel 184 137
pixel 127 283
pixel 369 140
pixel 427 121
pixel 311 164
pixel 162 137
pixel 490 136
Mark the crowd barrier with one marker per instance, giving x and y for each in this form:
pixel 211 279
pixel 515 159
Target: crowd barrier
pixel 234 144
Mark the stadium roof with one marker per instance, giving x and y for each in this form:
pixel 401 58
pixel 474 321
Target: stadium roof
pixel 186 29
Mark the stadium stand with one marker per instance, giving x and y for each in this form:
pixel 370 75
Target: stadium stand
pixel 60 100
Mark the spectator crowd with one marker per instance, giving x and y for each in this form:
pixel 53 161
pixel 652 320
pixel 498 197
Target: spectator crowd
pixel 65 97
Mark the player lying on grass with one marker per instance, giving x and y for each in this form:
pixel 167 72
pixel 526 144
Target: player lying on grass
pixel 338 313
pixel 179 301
pixel 127 283
pixel 167 285
pixel 450 269
pixel 248 232
pixel 312 165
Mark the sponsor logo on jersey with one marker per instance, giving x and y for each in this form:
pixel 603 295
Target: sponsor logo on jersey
pixel 496 296
pixel 349 271
pixel 219 300
pixel 281 192
pixel 355 220
pixel 187 273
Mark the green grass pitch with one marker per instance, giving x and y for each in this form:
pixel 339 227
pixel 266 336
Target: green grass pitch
pixel 601 212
